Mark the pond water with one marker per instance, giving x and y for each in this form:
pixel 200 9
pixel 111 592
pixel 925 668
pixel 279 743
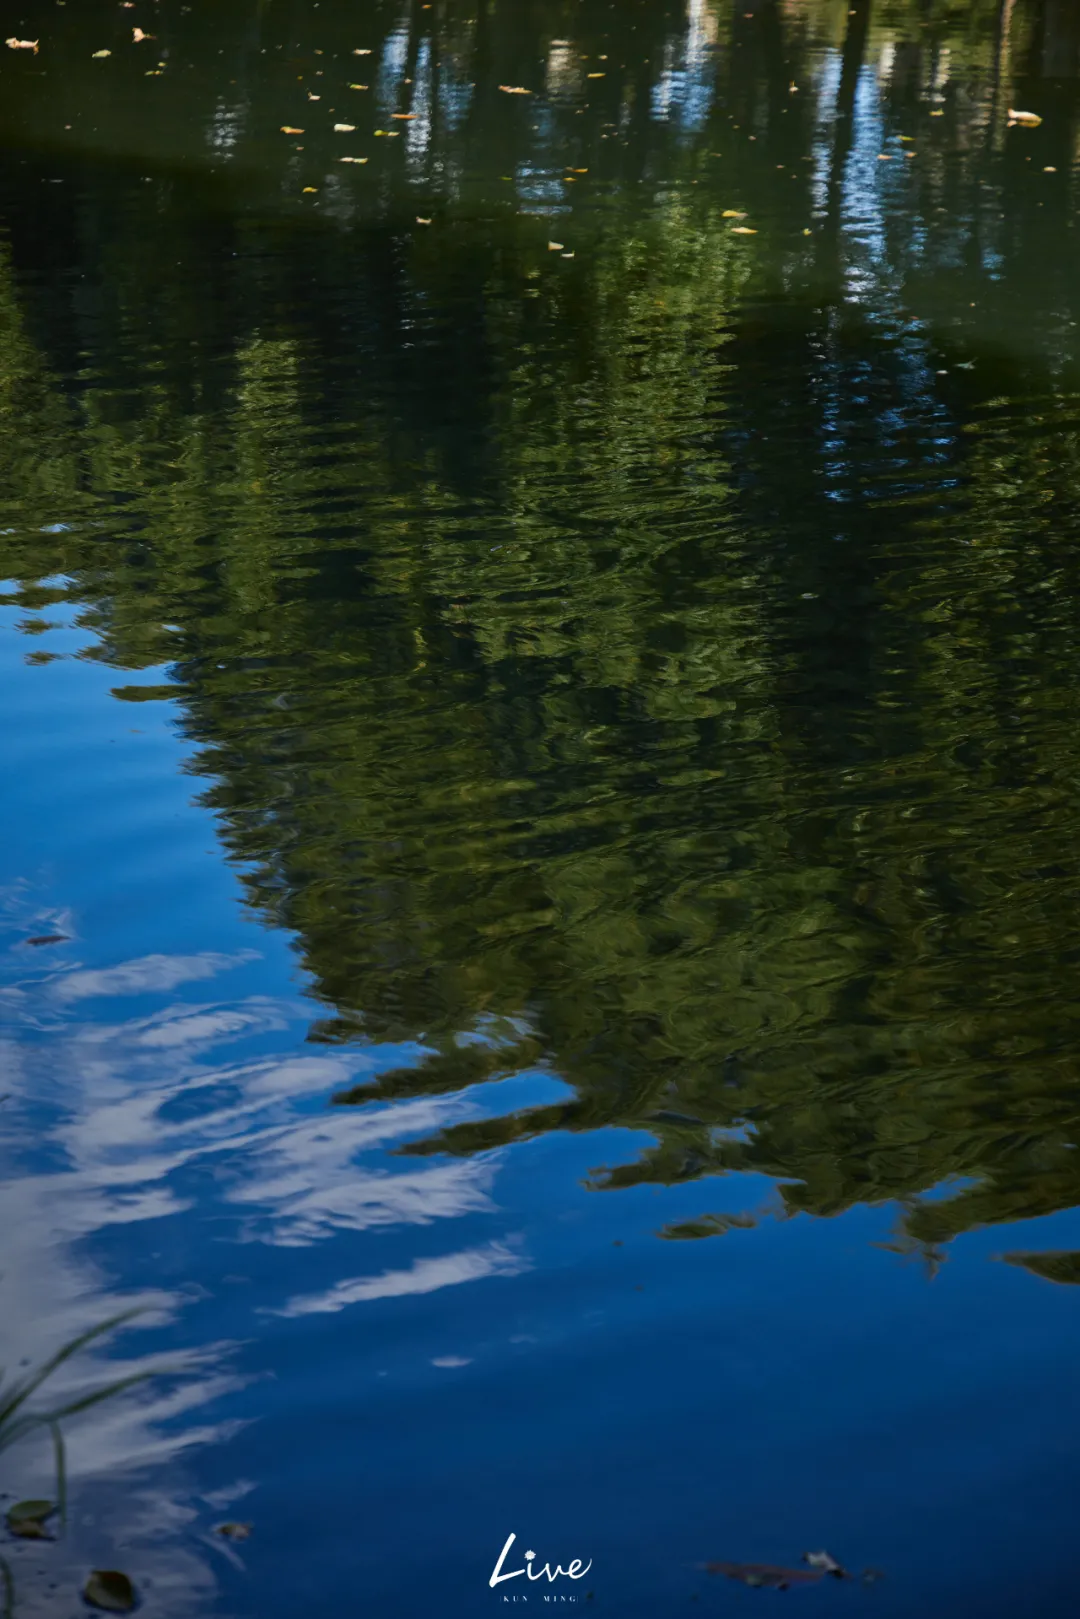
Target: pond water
pixel 541 671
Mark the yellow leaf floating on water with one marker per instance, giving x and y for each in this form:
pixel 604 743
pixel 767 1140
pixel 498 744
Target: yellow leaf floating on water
pixel 138 36
pixel 1030 120
pixel 554 247
pixel 361 53
pixel 290 129
pixel 344 129
pixel 404 116
pixel 14 44
pixel 102 53
pixel 742 230
pixel 358 87
pixel 596 75
pixel 420 221
pixel 732 213
pixel 514 90
pixel 310 188
pixel 352 159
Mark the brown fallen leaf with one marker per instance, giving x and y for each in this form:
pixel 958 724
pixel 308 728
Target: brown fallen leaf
pixel 27 1519
pixel 404 116
pixel 108 1588
pixel 14 44
pixel 234 1531
pixel 1029 119
pixel 290 129
pixel 138 36
pixel 514 90
pixel 47 938
pixel 766 1576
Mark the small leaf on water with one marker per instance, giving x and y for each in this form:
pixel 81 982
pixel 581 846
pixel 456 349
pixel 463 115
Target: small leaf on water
pixel 101 53
pixel 358 87
pixel 111 1590
pixel 138 36
pixel 827 1564
pixel 742 230
pixel 290 129
pixel 352 159
pixel 310 188
pixel 14 44
pixel 234 1531
pixel 1029 119
pixel 27 1519
pixel 767 1576
pixel 420 221
pixel 361 53
pixel 595 75
pixel 47 938
pixel 732 213
pixel 514 90
pixel 344 129
pixel 555 247
pixel 404 116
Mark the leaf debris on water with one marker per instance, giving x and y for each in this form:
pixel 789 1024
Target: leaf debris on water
pixel 14 44
pixel 102 53
pixel 404 116
pixel 344 129
pixel 47 938
pixel 514 90
pixel 234 1531
pixel 290 129
pixel 827 1564
pixel 1030 120
pixel 555 247
pixel 111 1590
pixel 352 159
pixel 732 213
pixel 361 53
pixel 27 1519
pixel 743 230
pixel 766 1576
pixel 138 36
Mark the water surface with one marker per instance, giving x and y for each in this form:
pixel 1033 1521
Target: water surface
pixel 540 666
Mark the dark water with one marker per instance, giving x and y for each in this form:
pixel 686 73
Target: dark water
pixel 541 681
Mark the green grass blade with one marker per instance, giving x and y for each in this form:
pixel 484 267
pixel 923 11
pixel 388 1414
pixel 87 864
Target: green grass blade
pixel 22 1391
pixel 8 1610
pixel 60 1453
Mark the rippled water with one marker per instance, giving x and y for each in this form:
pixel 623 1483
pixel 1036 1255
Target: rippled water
pixel 540 669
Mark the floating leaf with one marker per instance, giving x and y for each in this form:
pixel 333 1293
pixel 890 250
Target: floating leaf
pixel 138 36
pixel 555 247
pixel 361 53
pixel 827 1564
pixel 404 116
pixel 108 1588
pixel 766 1576
pixel 420 221
pixel 1030 120
pixel 514 90
pixel 732 213
pixel 344 129
pixel 358 87
pixel 352 159
pixel 310 188
pixel 743 230
pixel 290 129
pixel 27 1519
pixel 47 938
pixel 595 75
pixel 14 44
pixel 102 53
pixel 234 1531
